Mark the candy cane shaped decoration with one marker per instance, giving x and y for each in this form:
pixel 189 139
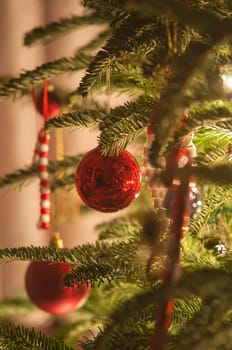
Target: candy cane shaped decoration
pixel 41 159
pixel 44 138
pixel 45 203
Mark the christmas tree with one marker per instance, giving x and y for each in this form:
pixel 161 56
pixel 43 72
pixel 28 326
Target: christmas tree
pixel 159 275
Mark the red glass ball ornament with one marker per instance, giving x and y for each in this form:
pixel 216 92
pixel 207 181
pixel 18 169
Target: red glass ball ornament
pixel 108 184
pixel 54 105
pixel 45 288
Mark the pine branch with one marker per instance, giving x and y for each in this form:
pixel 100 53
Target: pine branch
pixel 223 56
pixel 184 309
pixel 95 44
pixel 221 339
pixel 129 311
pixel 102 259
pixel 110 144
pixel 168 113
pixel 21 176
pixel 226 262
pixel 126 78
pixel 87 118
pixel 118 128
pixel 15 337
pixel 219 174
pixel 139 328
pixel 212 120
pixel 210 112
pixel 118 262
pixel 201 283
pixel 67 181
pixel 139 334
pixel 56 29
pixel 220 196
pixel 130 36
pixel 122 227
pixel 107 9
pixel 34 253
pixel 100 271
pixel 213 137
pixel 123 124
pixel 196 256
pixel 215 154
pixel 211 22
pixel 209 317
pixel 10 306
pixel 46 71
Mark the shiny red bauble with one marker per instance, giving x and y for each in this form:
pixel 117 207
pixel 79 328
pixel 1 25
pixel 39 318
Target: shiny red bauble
pixel 45 288
pixel 54 105
pixel 108 184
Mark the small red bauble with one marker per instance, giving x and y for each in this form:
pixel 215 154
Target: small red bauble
pixel 54 107
pixel 108 184
pixel 45 288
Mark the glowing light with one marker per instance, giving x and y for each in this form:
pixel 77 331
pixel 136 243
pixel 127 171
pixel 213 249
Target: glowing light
pixel 227 80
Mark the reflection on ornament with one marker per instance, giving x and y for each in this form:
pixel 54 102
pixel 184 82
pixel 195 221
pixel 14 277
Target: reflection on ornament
pixel 45 288
pixel 108 184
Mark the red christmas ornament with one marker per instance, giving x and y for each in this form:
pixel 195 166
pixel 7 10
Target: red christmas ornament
pixel 53 107
pixel 108 184
pixel 44 286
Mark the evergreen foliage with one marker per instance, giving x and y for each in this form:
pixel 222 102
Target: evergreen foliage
pixel 168 57
pixel 18 337
pixel 56 29
pixel 23 176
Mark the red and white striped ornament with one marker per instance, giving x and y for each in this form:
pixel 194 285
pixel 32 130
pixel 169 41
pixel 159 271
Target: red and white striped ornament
pixel 45 202
pixel 41 159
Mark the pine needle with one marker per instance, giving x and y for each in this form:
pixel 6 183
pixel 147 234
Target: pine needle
pixel 56 29
pixel 46 71
pixel 16 337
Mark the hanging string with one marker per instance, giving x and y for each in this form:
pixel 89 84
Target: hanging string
pixel 108 69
